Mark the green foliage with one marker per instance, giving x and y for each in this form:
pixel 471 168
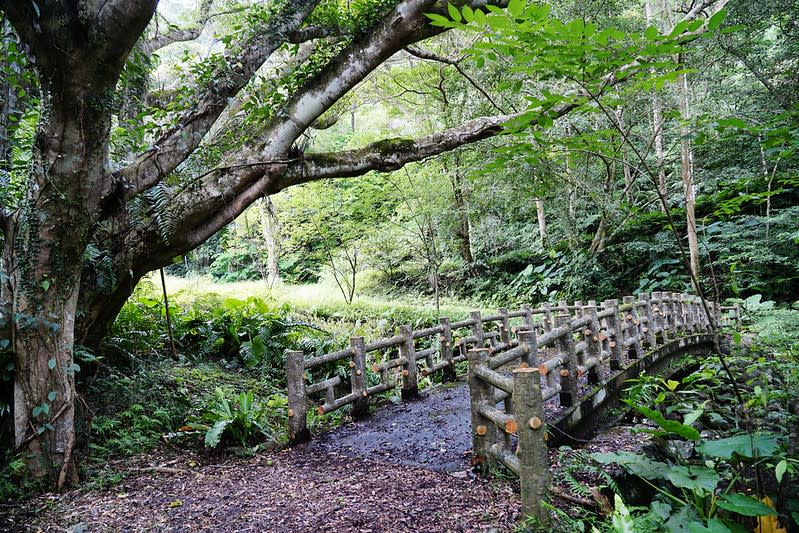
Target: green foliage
pixel 242 421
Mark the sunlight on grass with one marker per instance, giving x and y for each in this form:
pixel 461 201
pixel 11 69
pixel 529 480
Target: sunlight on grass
pixel 306 297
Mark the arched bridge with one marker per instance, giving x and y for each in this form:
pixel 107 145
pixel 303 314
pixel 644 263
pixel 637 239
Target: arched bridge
pixel 555 367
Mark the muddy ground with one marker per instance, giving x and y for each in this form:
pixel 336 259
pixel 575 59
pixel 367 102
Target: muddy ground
pixel 404 468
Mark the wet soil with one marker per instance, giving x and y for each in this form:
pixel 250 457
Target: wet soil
pixel 403 468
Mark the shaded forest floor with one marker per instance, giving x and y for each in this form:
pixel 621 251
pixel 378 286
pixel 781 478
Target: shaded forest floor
pixel 405 468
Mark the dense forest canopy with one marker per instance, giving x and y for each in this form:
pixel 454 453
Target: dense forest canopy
pixel 132 139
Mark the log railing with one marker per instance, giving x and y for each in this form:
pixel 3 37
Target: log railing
pixel 584 343
pixel 609 332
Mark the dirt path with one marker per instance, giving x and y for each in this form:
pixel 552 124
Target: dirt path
pixel 431 432
pixel 405 468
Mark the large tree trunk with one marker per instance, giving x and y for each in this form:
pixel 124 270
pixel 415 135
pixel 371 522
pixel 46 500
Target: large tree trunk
pixel 44 259
pixel 45 241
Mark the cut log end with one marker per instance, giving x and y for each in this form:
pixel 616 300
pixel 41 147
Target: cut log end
pixel 481 431
pixel 290 413
pixel 564 373
pixel 510 426
pixel 542 369
pixel 375 368
pixel 352 364
pixel 320 410
pixel 405 373
pixel 536 422
pixel 588 332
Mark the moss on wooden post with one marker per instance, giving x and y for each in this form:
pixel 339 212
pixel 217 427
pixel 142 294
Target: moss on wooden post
pixel 657 317
pixel 591 336
pixel 648 321
pixel 297 399
pixel 568 374
pixel 477 329
pixel 532 452
pixel 504 327
pixel 360 407
pixel 484 432
pixel 632 338
pixel 445 343
pixel 614 334
pixel 528 338
pixel 410 379
pixel 547 321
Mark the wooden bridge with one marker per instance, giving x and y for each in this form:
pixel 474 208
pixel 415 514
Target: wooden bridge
pixel 571 358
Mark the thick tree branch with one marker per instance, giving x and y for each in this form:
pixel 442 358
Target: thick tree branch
pixel 310 33
pixel 177 144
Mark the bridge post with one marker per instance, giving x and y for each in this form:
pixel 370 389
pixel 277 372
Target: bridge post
pixel 632 339
pixel 657 316
pixel 678 312
pixel 529 325
pixel 528 337
pixel 484 431
pixel 647 322
pixel 615 337
pixel 591 335
pixel 579 310
pixel 532 452
pixel 547 322
pixel 360 407
pixel 690 312
pixel 563 308
pixel 448 372
pixel 297 399
pixel 410 380
pixel 504 328
pixel 477 329
pixel 568 375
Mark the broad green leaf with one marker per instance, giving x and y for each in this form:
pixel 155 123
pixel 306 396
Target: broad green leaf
pixel 46 285
pixel 51 363
pixel 779 471
pixel 681 521
pixel 622 520
pixel 765 444
pixel 651 33
pixel 744 505
pixel 634 463
pixel 515 7
pixel 438 20
pixel 454 13
pixel 716 20
pixel 52 395
pixel 468 13
pixel 671 426
pixel 714 525
pixel 214 435
pixel 698 479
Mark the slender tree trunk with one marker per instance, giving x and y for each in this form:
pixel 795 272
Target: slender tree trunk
pixel 463 233
pixel 628 176
pixel 657 119
pixel 686 169
pixel 542 221
pixel 270 229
